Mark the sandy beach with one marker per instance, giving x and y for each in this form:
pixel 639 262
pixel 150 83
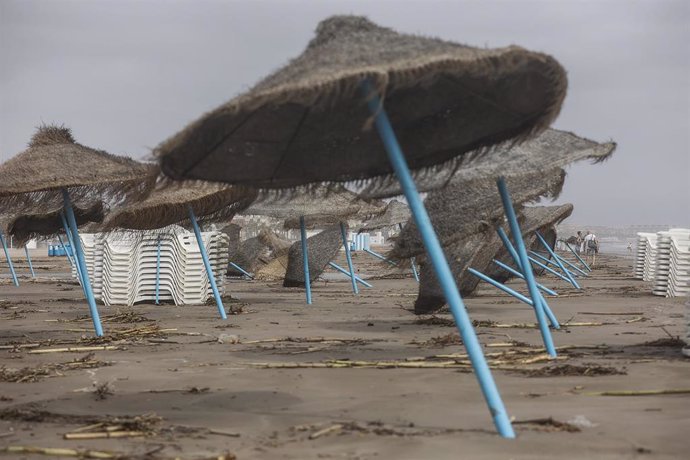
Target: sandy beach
pixel 350 377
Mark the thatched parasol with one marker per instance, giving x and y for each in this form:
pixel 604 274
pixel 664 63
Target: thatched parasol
pixel 478 251
pixel 55 161
pixel 548 152
pixel 169 204
pixel 395 213
pixel 29 226
pixel 470 199
pixel 320 206
pixel 305 123
pixel 322 248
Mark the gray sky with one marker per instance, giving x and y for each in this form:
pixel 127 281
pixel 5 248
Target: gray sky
pixel 125 75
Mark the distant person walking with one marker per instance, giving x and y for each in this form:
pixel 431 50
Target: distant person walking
pixel 590 246
pixel 629 248
pixel 579 240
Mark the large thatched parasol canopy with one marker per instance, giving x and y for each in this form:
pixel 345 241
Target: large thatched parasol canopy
pixel 478 251
pixel 25 227
pixel 55 161
pixel 305 123
pixel 169 204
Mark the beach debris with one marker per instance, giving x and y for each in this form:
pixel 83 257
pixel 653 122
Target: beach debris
pixel 547 425
pixel 60 452
pixel 674 342
pixel 672 391
pixel 562 370
pixel 441 341
pixel 326 431
pixel 103 391
pixel 35 374
pixel 582 422
pixel 434 320
pixel 74 349
pixel 228 338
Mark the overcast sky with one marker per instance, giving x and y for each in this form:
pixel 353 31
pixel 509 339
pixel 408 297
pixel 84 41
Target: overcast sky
pixel 125 75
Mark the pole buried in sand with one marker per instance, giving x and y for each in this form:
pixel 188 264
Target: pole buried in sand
pixel 9 260
pixel 539 303
pixel 511 250
pixel 349 275
pixel 439 262
pixel 558 261
pixel 305 258
pixel 81 260
pixel 28 259
pixel 355 289
pixel 207 263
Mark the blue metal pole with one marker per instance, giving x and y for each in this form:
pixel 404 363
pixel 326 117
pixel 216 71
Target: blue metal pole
pixel 578 257
pixel 379 256
pixel 345 272
pixel 550 270
pixel 414 269
pixel 158 270
pixel 241 270
pixel 28 259
pixel 513 253
pixel 520 275
pixel 9 260
pixel 81 260
pixel 572 265
pixel 438 260
pixel 500 286
pixel 207 264
pixel 355 289
pixel 548 261
pixel 70 240
pixel 557 260
pixel 305 258
pixel 69 257
pixel 526 267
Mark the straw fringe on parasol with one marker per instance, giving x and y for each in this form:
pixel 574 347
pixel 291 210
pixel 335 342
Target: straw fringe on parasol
pixel 305 123
pixel 548 152
pixel 169 204
pixel 54 161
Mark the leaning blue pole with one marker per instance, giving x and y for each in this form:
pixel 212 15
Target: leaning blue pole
pixel 500 286
pixel 440 264
pixel 578 257
pixel 513 253
pixel 207 263
pixel 539 307
pixel 349 275
pixel 521 276
pixel 414 269
pixel 70 240
pixel 28 259
pixel 557 260
pixel 81 260
pixel 241 270
pixel 379 256
pixel 158 270
pixel 548 261
pixel 550 270
pixel 572 265
pixel 355 289
pixel 305 258
pixel 9 260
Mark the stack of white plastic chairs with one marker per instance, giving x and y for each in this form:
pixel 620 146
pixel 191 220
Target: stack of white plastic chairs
pixel 122 265
pixel 678 281
pixel 641 254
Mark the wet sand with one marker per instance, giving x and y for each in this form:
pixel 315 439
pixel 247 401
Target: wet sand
pixel 325 381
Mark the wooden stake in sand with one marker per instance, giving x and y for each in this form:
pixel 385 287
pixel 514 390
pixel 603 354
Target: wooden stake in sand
pixel 75 349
